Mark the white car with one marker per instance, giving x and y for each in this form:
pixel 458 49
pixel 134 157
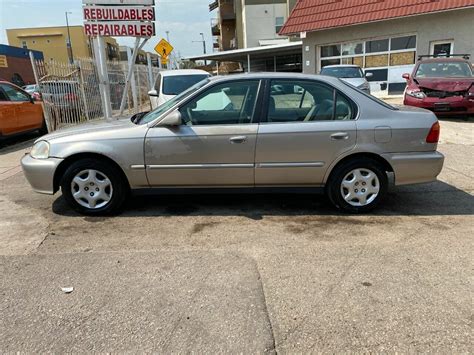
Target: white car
pixel 173 82
pixel 351 74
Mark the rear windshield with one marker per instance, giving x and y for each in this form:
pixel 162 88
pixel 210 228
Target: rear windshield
pixel 444 70
pixel 176 84
pixel 343 72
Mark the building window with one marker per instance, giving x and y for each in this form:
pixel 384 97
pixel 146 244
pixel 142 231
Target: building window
pixel 23 44
pixel 279 21
pixel 379 45
pixel 331 51
pixel 48 41
pixel 399 43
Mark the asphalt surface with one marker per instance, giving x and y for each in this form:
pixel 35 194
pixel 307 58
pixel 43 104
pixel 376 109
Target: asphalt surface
pixel 241 273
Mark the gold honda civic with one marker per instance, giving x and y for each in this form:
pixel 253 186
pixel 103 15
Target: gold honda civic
pixel 253 131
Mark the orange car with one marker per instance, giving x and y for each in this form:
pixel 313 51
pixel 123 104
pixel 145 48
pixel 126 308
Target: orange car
pixel 19 112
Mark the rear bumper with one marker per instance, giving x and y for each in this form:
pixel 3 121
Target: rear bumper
pixel 415 168
pixel 40 173
pixel 456 105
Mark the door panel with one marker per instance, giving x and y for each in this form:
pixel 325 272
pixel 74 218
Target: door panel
pixel 201 155
pixel 8 119
pixel 30 116
pixel 300 153
pixel 316 132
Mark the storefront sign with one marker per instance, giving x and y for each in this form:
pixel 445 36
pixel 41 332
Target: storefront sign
pixel 118 2
pixel 120 29
pixel 119 13
pixel 3 61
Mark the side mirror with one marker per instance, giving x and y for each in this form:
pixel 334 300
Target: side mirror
pixel 369 75
pixel 406 76
pixel 152 93
pixel 173 119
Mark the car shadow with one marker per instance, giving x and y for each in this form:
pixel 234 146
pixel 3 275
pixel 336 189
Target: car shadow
pixel 16 143
pixel 432 199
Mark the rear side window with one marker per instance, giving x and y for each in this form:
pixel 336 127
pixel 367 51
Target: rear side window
pixel 306 101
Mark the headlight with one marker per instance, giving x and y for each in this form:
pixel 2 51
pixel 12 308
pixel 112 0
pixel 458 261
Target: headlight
pixel 416 93
pixel 40 150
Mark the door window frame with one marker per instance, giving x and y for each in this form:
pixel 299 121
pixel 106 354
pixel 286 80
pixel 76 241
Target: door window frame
pixel 256 115
pixel 28 96
pixel 336 91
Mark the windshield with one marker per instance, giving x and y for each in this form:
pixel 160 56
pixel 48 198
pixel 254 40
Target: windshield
pixel 176 84
pixel 444 70
pixel 343 72
pixel 152 115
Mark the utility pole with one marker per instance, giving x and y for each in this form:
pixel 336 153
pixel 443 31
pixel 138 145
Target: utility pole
pixel 203 45
pixel 68 43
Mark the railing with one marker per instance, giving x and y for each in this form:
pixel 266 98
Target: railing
pixel 70 92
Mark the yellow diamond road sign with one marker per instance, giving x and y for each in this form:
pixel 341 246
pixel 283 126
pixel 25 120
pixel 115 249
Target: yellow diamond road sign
pixel 163 48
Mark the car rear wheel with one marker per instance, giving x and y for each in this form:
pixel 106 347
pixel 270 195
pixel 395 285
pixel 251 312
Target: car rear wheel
pixel 357 186
pixel 94 187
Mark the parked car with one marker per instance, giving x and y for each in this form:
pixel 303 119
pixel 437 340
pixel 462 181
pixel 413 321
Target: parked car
pixel 351 74
pixel 332 135
pixel 173 82
pixel 34 91
pixel 444 85
pixel 19 112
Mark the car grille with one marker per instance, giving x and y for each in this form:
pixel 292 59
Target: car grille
pixel 443 94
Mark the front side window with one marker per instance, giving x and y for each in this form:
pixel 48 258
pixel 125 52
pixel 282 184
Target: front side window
pixel 229 103
pixel 306 101
pixel 15 94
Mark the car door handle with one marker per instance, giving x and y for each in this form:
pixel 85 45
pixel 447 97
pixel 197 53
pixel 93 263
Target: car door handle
pixel 238 139
pixel 340 136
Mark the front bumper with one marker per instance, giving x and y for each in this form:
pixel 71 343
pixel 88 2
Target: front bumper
pixel 40 173
pixel 454 105
pixel 415 168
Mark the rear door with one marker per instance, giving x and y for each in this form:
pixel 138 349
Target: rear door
pixel 307 126
pixel 215 145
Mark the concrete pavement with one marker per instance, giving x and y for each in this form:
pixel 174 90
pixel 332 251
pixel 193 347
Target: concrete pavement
pixel 243 273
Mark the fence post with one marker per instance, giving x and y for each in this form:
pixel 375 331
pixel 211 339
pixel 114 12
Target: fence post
pixel 99 53
pixel 47 118
pixel 133 77
pixel 81 85
pixel 150 72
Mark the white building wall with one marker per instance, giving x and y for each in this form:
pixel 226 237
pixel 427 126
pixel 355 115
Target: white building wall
pixel 259 22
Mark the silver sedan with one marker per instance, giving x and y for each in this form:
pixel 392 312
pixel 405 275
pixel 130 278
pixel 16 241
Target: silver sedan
pixel 249 131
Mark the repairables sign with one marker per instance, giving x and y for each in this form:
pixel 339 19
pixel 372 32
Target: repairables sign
pixel 129 18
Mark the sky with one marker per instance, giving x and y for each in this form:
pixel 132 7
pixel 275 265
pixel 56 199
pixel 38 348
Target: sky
pixel 184 19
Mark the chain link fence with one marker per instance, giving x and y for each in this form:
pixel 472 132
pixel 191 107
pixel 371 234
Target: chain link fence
pixel 70 92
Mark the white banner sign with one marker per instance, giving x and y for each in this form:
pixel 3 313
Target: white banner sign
pixel 119 13
pixel 120 29
pixel 118 2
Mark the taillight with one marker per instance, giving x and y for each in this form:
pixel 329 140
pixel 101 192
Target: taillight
pixel 433 135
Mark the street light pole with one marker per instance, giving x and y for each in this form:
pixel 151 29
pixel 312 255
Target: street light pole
pixel 203 45
pixel 68 45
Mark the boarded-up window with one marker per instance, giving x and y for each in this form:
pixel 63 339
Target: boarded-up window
pixel 353 60
pixel 404 58
pixel 373 61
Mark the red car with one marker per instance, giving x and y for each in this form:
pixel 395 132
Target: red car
pixel 443 85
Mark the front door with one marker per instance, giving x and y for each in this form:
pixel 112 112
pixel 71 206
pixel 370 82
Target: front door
pixel 308 125
pixel 28 115
pixel 215 145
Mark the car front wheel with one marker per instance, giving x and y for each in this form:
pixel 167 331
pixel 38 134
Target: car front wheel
pixel 94 187
pixel 357 186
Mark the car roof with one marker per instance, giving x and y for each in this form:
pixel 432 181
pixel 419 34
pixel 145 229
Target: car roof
pixel 183 72
pixel 277 75
pixel 342 66
pixel 443 59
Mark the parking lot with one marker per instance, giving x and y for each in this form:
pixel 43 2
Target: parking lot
pixel 241 273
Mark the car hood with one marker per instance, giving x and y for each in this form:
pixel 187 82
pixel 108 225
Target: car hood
pixel 445 84
pixel 354 81
pixel 94 128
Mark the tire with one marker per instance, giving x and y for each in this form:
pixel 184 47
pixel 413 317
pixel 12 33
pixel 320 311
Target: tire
pixel 357 186
pixel 94 187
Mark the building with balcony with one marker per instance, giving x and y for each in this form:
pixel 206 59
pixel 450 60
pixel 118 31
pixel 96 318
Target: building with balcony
pixel 249 23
